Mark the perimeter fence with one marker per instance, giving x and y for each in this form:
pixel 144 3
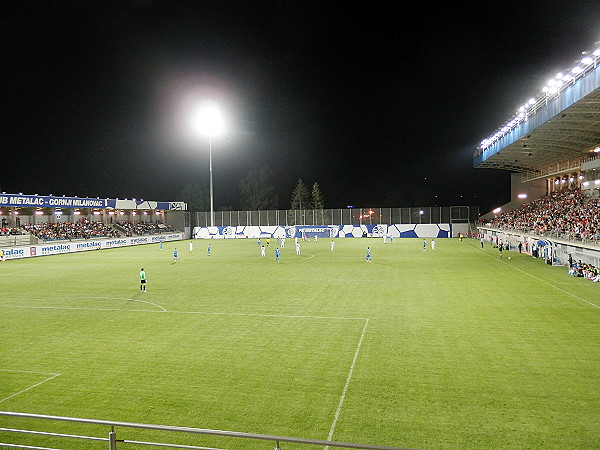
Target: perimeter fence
pixel 112 441
pixel 344 216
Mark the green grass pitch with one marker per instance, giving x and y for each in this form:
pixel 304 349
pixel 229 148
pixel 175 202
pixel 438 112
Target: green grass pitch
pixel 444 349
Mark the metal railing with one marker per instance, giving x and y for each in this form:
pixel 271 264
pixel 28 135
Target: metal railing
pixel 112 439
pixel 591 242
pixel 344 216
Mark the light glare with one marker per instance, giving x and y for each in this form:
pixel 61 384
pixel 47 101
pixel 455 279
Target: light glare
pixel 208 120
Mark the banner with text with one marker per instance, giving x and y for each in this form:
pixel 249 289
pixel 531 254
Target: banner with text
pixel 56 248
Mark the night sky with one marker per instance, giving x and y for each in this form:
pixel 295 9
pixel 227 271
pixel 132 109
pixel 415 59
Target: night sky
pixel 380 106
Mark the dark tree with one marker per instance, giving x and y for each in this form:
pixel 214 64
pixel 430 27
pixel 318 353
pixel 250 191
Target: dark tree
pixel 257 190
pixel 318 202
pixel 197 198
pixel 300 197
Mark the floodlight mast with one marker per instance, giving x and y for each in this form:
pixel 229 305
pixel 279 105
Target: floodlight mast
pixel 208 121
pixel 212 206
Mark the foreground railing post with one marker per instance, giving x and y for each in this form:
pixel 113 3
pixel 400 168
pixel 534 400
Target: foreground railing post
pixel 112 439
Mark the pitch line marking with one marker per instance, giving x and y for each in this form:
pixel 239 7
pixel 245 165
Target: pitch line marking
pixel 288 316
pixel 54 375
pixel 344 390
pixel 555 287
pixel 121 298
pixel 544 281
pixel 348 378
pixel 100 309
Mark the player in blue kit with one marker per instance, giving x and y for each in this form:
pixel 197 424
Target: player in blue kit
pixel 175 255
pixel 277 254
pixel 368 254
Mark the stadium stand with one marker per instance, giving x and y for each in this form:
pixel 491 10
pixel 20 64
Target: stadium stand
pixel 563 214
pixel 82 229
pixel 11 231
pixel 552 148
pixel 143 228
pixel 86 229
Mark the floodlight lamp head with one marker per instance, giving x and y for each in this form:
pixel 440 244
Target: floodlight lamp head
pixel 207 120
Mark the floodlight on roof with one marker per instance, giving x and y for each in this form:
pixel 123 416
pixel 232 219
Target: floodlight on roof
pixel 576 70
pixel 555 85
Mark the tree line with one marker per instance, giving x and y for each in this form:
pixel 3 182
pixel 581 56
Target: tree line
pixel 257 193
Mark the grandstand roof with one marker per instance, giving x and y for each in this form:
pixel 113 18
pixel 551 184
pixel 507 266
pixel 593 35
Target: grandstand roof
pixel 560 132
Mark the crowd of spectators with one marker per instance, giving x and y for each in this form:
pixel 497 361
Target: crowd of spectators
pixel 6 231
pixel 82 229
pixel 565 213
pixel 86 229
pixel 139 228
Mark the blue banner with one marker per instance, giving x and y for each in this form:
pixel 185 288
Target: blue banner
pixel 43 201
pixel 50 201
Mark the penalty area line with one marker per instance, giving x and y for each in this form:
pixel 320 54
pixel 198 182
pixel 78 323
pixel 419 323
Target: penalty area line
pixel 30 387
pixel 153 311
pixel 347 384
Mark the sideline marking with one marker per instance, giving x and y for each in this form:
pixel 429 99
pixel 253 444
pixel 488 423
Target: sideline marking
pixel 543 281
pixel 348 378
pixel 54 375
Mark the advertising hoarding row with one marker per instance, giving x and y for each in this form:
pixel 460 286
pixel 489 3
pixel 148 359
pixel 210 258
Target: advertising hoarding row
pixel 56 248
